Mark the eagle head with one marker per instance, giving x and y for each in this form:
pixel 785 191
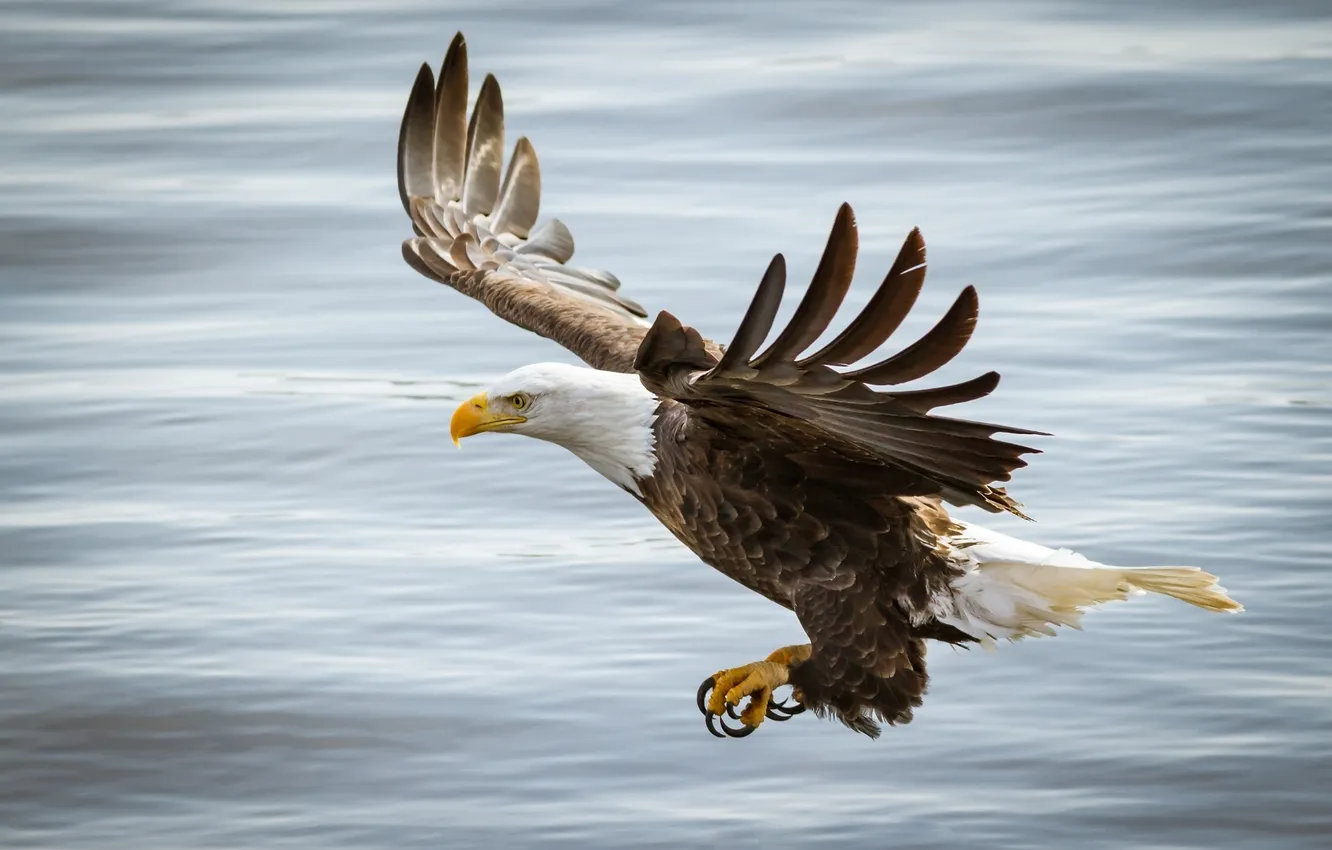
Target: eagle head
pixel 606 418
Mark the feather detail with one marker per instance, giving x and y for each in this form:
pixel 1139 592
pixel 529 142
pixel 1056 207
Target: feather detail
pixel 1012 588
pixel 480 235
pixel 922 454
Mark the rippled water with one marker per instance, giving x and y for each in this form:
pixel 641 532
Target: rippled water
pixel 251 596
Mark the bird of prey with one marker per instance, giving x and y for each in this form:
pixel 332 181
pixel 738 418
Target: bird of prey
pixel 803 473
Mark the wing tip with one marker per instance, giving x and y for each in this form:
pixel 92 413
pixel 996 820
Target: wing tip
pixel 455 58
pixel 415 123
pixel 824 296
pixel 845 214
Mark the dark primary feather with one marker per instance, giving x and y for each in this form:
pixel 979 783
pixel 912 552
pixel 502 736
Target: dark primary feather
pixel 889 305
pixel 932 351
pixel 758 319
pixel 827 289
pixel 923 401
pixel 956 459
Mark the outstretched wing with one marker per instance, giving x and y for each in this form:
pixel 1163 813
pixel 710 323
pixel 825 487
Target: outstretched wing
pixel 479 234
pixel 821 407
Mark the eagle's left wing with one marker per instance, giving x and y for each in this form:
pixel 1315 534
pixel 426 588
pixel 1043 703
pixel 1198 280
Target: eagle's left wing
pixel 479 234
pixel 743 392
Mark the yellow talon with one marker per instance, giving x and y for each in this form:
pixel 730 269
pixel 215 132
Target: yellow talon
pixel 762 675
pixel 756 681
pixel 757 709
pixel 725 683
pixel 723 692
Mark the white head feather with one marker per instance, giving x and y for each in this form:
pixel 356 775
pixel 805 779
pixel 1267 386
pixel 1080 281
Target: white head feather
pixel 603 417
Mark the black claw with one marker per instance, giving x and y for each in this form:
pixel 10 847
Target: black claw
pixel 738 732
pixel 783 711
pixel 707 718
pixel 703 697
pixel 775 713
pixel 713 720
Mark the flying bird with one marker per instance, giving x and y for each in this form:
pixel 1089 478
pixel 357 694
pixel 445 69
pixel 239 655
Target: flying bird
pixel 804 473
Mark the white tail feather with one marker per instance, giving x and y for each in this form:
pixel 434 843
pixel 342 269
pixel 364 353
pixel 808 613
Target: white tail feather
pixel 1188 584
pixel 1014 589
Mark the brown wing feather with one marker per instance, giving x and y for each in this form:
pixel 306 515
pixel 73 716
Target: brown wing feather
pixel 936 348
pixel 450 122
pixel 831 280
pixel 885 311
pixel 415 140
pixel 956 459
pixel 475 232
pixel 758 319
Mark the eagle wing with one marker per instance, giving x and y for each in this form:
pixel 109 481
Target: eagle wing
pixel 746 394
pixel 479 234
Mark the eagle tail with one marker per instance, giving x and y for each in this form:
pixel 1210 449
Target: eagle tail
pixel 1188 584
pixel 1014 589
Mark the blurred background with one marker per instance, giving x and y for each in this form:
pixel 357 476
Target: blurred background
pixel 250 596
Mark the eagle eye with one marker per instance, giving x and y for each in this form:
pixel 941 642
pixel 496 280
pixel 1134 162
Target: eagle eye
pixel 520 401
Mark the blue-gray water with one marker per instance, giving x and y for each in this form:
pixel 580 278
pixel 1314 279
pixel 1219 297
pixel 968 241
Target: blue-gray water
pixel 250 596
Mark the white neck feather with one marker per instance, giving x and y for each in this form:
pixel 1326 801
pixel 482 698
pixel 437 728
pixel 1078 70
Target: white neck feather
pixel 605 418
pixel 623 461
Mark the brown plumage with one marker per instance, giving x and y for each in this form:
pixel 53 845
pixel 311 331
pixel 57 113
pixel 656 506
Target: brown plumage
pixel 805 484
pixel 810 484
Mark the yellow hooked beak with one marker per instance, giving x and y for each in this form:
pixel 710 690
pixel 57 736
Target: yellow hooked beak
pixel 473 417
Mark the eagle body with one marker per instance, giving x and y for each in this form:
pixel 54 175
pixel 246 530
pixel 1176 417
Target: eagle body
pixel 799 463
pixel 863 567
pixel 769 516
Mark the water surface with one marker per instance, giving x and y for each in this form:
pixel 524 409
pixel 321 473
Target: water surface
pixel 251 597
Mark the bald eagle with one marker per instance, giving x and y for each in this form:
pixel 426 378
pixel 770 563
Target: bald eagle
pixel 801 474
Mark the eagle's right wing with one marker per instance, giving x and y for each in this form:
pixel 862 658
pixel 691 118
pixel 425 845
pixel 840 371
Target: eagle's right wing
pixel 834 413
pixel 479 235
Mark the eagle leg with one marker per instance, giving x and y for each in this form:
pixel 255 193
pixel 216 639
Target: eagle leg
pixel 721 693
